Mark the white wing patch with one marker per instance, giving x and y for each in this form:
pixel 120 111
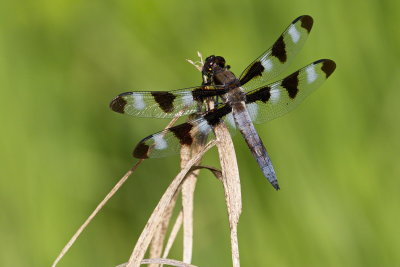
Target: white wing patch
pixel 138 101
pixel 267 64
pixel 187 99
pixel 253 110
pixel 159 142
pixel 311 74
pixel 294 34
pixel 204 128
pixel 275 95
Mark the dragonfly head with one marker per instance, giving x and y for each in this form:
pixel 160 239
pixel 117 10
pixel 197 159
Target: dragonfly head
pixel 212 65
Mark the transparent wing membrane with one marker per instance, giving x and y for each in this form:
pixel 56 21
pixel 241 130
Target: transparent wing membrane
pixel 277 58
pixel 274 100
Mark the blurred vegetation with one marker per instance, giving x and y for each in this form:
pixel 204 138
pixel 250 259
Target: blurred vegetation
pixel 62 148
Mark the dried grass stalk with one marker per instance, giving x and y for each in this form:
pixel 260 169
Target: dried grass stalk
pixel 173 234
pixel 217 173
pixel 231 182
pixel 157 242
pixel 188 189
pixel 158 213
pixel 94 213
pixel 105 200
pixel 162 261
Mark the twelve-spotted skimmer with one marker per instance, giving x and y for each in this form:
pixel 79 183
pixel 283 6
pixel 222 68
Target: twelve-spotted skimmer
pixel 239 101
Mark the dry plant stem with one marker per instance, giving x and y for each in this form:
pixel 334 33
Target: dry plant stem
pixel 162 261
pixel 178 222
pixel 231 182
pixel 173 234
pixel 158 213
pixel 168 261
pixel 187 206
pixel 188 188
pixel 157 242
pixel 94 213
pixel 217 173
pixel 105 200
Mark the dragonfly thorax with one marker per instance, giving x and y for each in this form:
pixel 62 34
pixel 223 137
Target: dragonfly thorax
pixel 212 65
pixel 218 73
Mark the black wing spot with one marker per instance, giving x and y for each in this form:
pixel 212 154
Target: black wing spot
pixel 201 94
pixel 279 50
pixel 118 104
pixel 165 100
pixel 263 94
pixel 141 151
pixel 182 132
pixel 290 83
pixel 328 67
pixel 255 70
pixel 214 116
pixel 307 22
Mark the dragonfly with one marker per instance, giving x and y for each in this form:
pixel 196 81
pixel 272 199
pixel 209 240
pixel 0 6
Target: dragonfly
pixel 237 101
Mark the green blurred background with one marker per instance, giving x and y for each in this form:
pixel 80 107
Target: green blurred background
pixel 62 148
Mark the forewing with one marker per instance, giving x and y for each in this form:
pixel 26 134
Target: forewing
pixel 273 61
pixel 163 104
pixel 169 141
pixel 274 100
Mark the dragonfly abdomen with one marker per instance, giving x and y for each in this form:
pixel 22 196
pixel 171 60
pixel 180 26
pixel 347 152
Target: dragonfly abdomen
pixel 253 140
